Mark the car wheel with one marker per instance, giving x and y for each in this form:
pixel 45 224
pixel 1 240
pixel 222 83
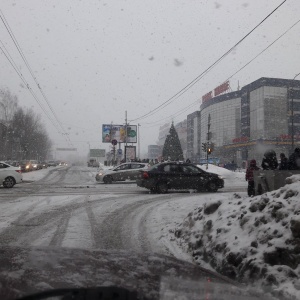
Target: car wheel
pixel 9 182
pixel 107 179
pixel 162 188
pixel 212 187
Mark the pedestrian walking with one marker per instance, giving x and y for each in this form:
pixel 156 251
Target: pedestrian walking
pixel 294 160
pixel 250 178
pixel 283 162
pixel 269 161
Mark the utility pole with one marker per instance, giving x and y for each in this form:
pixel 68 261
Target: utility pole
pixel 208 138
pixel 125 154
pixel 139 140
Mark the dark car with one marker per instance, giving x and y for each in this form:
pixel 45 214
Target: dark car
pixel 176 175
pixel 52 163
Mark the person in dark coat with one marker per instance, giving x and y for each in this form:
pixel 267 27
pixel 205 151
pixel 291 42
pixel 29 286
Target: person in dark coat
pixel 283 162
pixel 250 178
pixel 294 160
pixel 269 161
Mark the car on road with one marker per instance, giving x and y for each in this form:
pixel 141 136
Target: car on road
pixel 52 163
pixel 178 175
pixel 9 175
pixel 26 166
pixel 36 165
pixel 126 171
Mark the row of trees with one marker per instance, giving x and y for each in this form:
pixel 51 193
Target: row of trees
pixel 22 133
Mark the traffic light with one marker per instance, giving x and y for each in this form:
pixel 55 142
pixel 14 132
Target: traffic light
pixel 209 150
pixel 204 147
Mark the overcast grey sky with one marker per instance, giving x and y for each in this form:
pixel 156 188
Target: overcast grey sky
pixel 96 59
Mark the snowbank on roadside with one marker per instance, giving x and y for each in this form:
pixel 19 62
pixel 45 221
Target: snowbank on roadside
pixel 236 179
pixel 253 240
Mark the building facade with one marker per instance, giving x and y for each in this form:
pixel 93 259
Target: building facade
pixel 193 137
pixel 244 124
pixel 154 152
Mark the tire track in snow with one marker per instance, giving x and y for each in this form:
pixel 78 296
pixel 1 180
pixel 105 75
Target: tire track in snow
pixel 26 231
pixel 7 235
pixel 61 230
pixel 95 232
pixel 116 230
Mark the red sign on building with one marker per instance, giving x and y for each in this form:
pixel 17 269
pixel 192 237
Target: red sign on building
pixel 241 139
pixel 221 88
pixel 207 96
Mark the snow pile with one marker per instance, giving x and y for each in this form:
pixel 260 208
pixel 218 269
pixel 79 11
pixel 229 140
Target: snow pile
pixel 252 240
pixel 236 179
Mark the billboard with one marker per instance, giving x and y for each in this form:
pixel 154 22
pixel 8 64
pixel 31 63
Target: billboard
pixel 118 132
pixel 97 152
pixel 130 152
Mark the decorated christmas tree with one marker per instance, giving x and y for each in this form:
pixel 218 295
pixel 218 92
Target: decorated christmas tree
pixel 172 148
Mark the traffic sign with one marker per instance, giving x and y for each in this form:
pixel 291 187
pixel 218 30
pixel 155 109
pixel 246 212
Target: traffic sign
pixel 120 151
pixel 114 142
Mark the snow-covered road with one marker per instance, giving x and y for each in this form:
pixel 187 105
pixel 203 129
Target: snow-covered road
pixel 67 208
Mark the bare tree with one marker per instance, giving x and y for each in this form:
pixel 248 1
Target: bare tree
pixel 22 133
pixel 8 106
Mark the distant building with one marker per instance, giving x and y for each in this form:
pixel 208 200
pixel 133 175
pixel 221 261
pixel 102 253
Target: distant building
pixel 154 151
pixel 193 137
pixel 245 123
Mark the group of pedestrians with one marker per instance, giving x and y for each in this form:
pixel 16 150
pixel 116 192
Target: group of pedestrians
pixel 270 162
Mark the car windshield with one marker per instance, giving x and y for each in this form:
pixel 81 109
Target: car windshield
pixel 150 139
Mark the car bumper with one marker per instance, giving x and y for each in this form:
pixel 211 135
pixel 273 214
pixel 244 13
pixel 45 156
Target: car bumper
pixel 148 184
pixel 99 178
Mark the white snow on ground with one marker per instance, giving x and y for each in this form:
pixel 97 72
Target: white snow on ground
pixel 252 228
pixel 37 174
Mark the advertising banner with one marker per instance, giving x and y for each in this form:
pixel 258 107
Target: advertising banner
pixel 118 132
pixel 130 152
pixel 97 152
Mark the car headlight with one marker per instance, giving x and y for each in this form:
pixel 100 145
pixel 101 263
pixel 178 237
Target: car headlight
pixel 100 174
pixel 27 167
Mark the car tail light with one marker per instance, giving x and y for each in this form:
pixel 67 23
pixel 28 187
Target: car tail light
pixel 145 175
pixel 19 171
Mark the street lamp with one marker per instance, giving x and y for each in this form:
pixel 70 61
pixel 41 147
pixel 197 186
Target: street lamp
pixel 292 109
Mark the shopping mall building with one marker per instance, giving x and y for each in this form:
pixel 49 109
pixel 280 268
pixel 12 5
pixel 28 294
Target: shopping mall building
pixel 244 124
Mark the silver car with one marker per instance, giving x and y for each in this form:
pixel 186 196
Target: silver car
pixel 126 171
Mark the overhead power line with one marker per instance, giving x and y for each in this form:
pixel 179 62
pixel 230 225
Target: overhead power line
pixel 193 82
pixel 244 66
pixel 10 32
pixel 11 61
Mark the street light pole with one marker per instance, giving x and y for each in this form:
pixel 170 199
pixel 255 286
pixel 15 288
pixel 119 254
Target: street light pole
pixel 292 109
pixel 139 140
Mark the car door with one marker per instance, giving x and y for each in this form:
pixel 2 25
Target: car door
pixel 120 173
pixel 193 177
pixel 172 175
pixel 3 171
